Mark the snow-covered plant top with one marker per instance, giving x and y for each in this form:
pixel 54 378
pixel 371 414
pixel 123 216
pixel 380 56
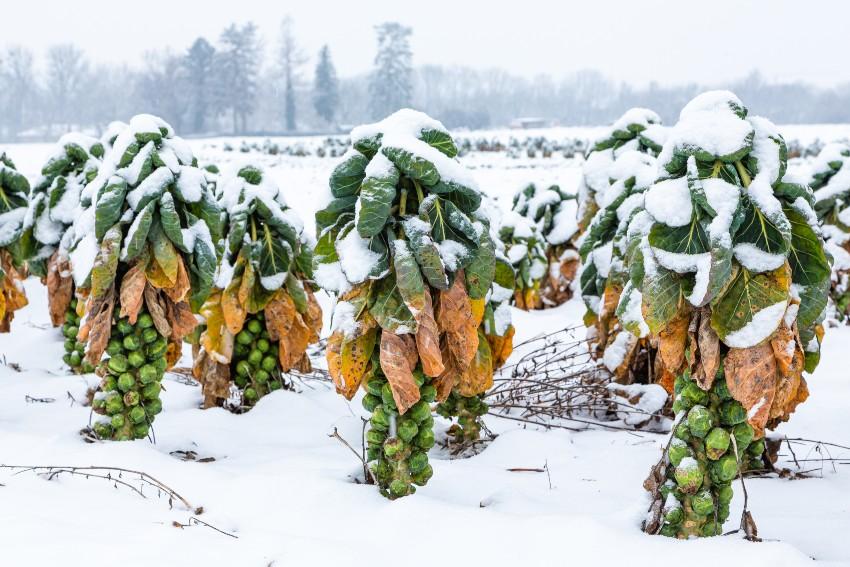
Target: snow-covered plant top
pixel 525 250
pixel 14 189
pixel 552 209
pixel 604 246
pixel 265 239
pixel 722 231
pixel 55 199
pixel 110 134
pixel 149 200
pixel 638 129
pixel 830 181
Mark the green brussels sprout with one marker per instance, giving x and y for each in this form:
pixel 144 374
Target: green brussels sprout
pixel 679 406
pixel 399 488
pixel 394 448
pixel 66 358
pixel 702 503
pixel 97 404
pixel 724 494
pixel 417 462
pixel 407 430
pixel 383 470
pixel 153 407
pixel 254 327
pixel 103 429
pixel 424 439
pixel 149 336
pixel 721 388
pixel 241 381
pixel 160 365
pixel 71 331
pixel 387 397
pixel 428 393
pixel 419 376
pixel 269 363
pixel 716 443
pixel 126 381
pixel 681 431
pixel 261 376
pixel 109 384
pixel 376 436
pixel 374 385
pixel 744 434
pixel 145 321
pixel 700 421
pixel 674 515
pixel 732 413
pixel 151 391
pixel 75 359
pixel 141 430
pixel 137 414
pixel 693 395
pixel 244 337
pixel 124 327
pixel 117 364
pixel 70 317
pixel 422 477
pixel 241 351
pixel 255 358
pixel 380 420
pixel 724 469
pixel 157 348
pixel 251 395
pixel 755 464
pixel 117 421
pixel 243 368
pixel 370 402
pixel 114 403
pixel 419 411
pixel 74 304
pixel 688 475
pixel 131 342
pixel 669 530
pixel 263 346
pixel 756 448
pixel 69 345
pixel 136 359
pixel 87 368
pixel 427 423
pixel 678 450
pixel 148 374
pixel 711 529
pixel 373 454
pixel 275 385
pixel 131 398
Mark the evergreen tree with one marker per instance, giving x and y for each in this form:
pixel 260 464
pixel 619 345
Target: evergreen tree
pixel 391 83
pixel 325 86
pixel 236 63
pixel 198 64
pixel 291 61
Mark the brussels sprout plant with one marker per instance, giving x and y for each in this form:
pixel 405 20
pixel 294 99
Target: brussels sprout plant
pixel 53 206
pixel 401 244
pixel 154 222
pixel 14 189
pixel 525 249
pixel 553 211
pixel 830 180
pixel 263 314
pixel 733 278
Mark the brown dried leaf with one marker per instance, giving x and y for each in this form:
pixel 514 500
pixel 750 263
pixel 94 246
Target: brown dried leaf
pixel 455 319
pixel 132 291
pixel 672 341
pixel 156 308
pixel 709 352
pixel 428 339
pixel 478 377
pixel 622 374
pixel 313 317
pixel 751 377
pixel 279 312
pixel 233 310
pixel 355 354
pixel 173 352
pixel 395 362
pixel 12 295
pixel 180 318
pixel 214 378
pixel 501 347
pixel 98 325
pixel 60 288
pixel 287 326
pixel 791 387
pixel 181 287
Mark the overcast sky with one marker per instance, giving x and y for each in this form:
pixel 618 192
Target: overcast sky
pixel 671 41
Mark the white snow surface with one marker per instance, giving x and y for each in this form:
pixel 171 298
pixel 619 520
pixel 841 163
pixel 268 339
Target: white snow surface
pixel 286 489
pixel 669 201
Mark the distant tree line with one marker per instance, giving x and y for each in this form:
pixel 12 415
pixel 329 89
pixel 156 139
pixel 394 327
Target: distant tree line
pixel 235 85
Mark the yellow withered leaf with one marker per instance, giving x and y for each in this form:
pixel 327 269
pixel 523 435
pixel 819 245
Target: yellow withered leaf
pixel 355 354
pixel 501 347
pixel 478 377
pixel 216 339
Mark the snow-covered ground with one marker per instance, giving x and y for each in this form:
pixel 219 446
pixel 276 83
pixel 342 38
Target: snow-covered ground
pixel 286 489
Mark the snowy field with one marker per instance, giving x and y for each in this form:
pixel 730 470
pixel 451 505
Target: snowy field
pixel 275 480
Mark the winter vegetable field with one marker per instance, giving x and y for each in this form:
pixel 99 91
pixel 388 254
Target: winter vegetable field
pixel 277 488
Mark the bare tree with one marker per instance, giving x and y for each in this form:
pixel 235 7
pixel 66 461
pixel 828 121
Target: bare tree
pixel 67 75
pixel 291 60
pixel 20 91
pixel 162 87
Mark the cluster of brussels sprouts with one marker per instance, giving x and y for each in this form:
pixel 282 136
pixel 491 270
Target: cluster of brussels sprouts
pixel 468 411
pixel 711 443
pixel 255 364
pixel 397 446
pixel 132 373
pixel 75 350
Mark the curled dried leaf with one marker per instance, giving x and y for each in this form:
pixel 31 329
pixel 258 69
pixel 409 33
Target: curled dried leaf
pixel 181 287
pixel 709 352
pixel 395 362
pixel 501 347
pixel 428 339
pixel 456 321
pixel 356 352
pixel 333 355
pixel 313 317
pixel 214 377
pixel 478 377
pixel 97 326
pixel 180 318
pixel 751 377
pixel 173 352
pixel 216 340
pixel 132 291
pixel 60 288
pixel 672 340
pixel 156 307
